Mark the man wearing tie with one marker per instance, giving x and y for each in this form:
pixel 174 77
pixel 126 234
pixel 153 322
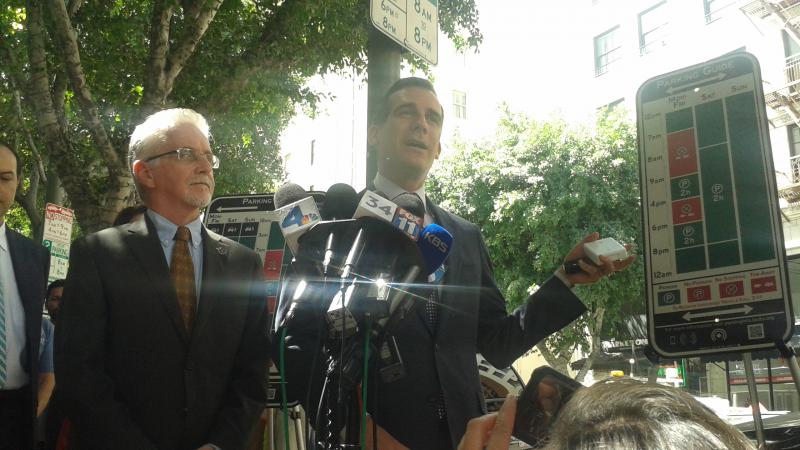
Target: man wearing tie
pixel 162 341
pixel 429 408
pixel 24 267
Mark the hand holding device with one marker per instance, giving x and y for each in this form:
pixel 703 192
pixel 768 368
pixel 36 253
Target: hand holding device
pixel 594 258
pixel 547 391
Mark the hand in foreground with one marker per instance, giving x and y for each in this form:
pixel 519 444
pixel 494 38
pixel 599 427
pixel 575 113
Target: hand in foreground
pixel 590 272
pixel 492 431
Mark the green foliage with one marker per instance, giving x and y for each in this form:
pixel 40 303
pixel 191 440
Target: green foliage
pixel 247 75
pixel 536 189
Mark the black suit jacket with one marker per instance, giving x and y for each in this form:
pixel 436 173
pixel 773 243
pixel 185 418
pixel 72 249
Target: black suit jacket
pixel 130 375
pixel 442 362
pixel 31 264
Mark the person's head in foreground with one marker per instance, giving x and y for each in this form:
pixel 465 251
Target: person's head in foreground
pixel 625 414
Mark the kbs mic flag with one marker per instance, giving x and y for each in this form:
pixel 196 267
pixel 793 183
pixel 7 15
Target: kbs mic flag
pixel 297 213
pixel 373 205
pixel 435 244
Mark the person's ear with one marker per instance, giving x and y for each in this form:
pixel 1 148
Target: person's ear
pixel 143 174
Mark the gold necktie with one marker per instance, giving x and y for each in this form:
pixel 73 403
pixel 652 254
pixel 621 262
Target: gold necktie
pixel 182 272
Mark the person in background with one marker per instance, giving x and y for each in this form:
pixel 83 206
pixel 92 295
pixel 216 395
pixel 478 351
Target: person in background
pixel 129 214
pixel 24 267
pixel 622 414
pixel 53 302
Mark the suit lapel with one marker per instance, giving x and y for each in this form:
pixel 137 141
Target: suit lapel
pixel 28 277
pixel 142 240
pixel 215 258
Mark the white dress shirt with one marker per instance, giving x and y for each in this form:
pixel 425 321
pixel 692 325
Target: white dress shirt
pixel 16 377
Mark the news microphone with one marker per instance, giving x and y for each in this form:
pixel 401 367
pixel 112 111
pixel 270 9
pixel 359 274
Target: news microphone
pixel 435 244
pixel 341 201
pixel 373 205
pixel 288 193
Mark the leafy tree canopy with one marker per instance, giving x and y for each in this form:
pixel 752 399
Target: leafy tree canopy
pixel 536 189
pixel 77 75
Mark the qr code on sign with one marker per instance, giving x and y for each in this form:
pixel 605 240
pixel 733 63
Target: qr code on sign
pixel 755 331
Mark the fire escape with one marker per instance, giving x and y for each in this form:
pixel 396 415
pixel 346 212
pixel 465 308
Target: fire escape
pixel 783 102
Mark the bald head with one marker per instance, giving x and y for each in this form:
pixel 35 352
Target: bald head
pixel 8 179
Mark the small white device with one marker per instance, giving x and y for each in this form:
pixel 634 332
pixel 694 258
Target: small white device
pixel 607 247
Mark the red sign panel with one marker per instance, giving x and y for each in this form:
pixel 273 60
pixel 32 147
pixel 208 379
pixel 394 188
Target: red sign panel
pixel 682 153
pixel 687 210
pixel 698 293
pixel 272 264
pixel 731 289
pixel 765 284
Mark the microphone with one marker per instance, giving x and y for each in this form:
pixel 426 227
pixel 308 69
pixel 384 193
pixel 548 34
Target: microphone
pixel 340 202
pixel 297 213
pixel 410 214
pixel 435 244
pixel 288 193
pixel 373 205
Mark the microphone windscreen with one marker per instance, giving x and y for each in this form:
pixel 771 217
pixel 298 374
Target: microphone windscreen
pixel 411 203
pixel 435 244
pixel 289 193
pixel 341 201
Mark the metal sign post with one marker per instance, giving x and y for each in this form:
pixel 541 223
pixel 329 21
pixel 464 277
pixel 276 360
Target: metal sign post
pixel 715 262
pixel 755 406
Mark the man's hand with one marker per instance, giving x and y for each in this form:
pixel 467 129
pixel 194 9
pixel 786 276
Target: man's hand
pixel 591 273
pixel 492 431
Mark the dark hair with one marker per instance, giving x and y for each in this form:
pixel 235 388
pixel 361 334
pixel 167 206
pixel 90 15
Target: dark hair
pixel 13 152
pixel 402 83
pixel 621 414
pixel 55 284
pixel 126 214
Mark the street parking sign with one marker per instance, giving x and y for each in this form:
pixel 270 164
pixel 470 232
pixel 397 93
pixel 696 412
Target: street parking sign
pixel 715 264
pixel 414 24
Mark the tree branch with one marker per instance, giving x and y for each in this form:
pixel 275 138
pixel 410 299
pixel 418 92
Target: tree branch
pixel 74 6
pixel 154 82
pixel 68 45
pixel 188 43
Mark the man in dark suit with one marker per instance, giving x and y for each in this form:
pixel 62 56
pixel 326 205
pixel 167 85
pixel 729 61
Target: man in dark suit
pixel 429 408
pixel 161 341
pixel 24 267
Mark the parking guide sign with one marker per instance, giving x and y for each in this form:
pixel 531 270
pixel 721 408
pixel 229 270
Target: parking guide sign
pixel 715 272
pixel 251 220
pixel 414 24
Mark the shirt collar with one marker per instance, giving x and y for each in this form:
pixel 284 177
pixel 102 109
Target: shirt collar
pixel 392 190
pixel 166 229
pixel 3 237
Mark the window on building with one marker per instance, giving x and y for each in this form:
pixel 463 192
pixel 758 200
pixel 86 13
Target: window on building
pixel 653 25
pixel 460 104
pixel 794 151
pixel 606 50
pixel 313 144
pixel 714 9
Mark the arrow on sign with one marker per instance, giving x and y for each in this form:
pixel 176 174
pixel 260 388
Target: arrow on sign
pixel 744 310
pixel 236 208
pixel 717 77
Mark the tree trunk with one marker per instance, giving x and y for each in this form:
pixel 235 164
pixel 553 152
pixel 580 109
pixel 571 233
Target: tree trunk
pixel 597 344
pixel 558 363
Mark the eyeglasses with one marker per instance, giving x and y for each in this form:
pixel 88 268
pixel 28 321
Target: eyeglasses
pixel 189 155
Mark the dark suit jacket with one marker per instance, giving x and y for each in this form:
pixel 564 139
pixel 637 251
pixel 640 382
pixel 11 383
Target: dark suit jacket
pixel 31 264
pixel 129 374
pixel 442 362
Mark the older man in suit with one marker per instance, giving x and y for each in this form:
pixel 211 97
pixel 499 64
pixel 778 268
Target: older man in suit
pixel 429 408
pixel 24 267
pixel 162 341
